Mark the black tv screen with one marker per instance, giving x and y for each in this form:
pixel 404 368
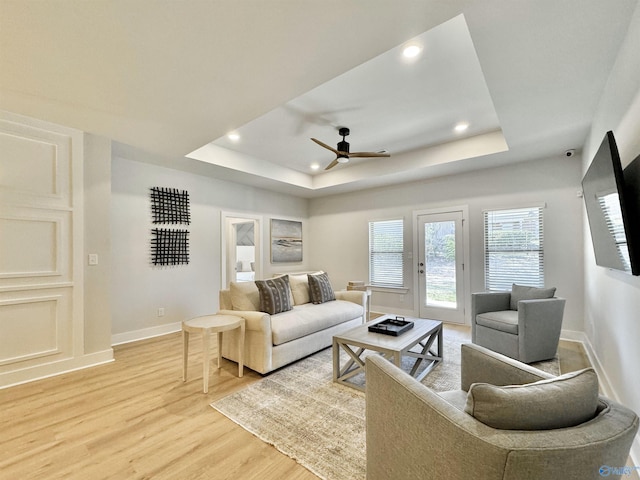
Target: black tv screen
pixel 613 208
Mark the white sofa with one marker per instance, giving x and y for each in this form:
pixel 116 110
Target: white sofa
pixel 273 341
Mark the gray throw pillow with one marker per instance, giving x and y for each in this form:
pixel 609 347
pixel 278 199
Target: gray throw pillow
pixel 521 292
pixel 275 295
pixel 320 290
pixel 560 402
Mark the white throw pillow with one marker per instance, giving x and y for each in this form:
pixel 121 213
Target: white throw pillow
pixel 245 296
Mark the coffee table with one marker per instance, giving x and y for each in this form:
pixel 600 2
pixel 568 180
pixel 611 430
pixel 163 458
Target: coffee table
pixel 424 334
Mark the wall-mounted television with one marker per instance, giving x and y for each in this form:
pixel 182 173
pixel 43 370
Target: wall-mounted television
pixel 612 200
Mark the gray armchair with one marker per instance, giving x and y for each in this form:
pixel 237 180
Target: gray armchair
pixel 527 330
pixel 413 432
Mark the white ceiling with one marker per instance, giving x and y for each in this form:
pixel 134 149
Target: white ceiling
pixel 164 79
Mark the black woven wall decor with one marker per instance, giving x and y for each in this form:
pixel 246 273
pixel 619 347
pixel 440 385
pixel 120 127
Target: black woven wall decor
pixel 169 247
pixel 169 205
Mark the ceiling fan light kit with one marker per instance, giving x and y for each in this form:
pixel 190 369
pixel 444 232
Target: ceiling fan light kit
pixel 342 152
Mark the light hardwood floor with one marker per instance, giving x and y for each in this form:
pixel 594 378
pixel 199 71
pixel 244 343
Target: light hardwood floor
pixel 135 419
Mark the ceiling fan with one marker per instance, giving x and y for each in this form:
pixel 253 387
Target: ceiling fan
pixel 342 152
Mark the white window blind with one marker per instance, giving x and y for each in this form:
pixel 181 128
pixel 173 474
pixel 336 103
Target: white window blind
pixel 385 253
pixel 513 248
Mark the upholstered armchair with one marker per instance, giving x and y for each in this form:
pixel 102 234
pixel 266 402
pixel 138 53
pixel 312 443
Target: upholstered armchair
pixel 524 324
pixel 555 427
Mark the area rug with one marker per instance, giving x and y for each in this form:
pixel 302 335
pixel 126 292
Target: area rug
pixel 321 424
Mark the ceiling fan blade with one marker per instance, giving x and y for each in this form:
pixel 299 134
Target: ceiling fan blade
pixel 322 144
pixel 368 154
pixel 332 164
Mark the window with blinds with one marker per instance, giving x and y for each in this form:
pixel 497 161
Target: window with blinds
pixel 513 251
pixel 386 244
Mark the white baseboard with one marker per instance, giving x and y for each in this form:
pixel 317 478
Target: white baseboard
pixel 38 372
pixel 603 379
pixel 135 335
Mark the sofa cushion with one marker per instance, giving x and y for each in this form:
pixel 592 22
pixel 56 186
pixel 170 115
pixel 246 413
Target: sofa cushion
pixel 275 295
pixel 521 292
pixel 244 296
pixel 504 321
pixel 560 402
pixel 300 289
pixel 306 319
pixel 320 290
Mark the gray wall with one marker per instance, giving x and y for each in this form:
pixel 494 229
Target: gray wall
pixel 612 298
pixel 138 289
pixel 339 225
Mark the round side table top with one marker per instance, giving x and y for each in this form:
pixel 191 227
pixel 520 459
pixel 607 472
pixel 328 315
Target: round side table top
pixel 216 322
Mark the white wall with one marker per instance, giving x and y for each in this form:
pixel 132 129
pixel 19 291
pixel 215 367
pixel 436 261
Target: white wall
pixel 138 289
pixel 97 240
pixel 612 298
pixel 339 225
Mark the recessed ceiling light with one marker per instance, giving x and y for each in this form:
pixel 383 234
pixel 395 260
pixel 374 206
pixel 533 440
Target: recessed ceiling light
pixel 233 136
pixel 411 51
pixel 461 127
pixel 315 166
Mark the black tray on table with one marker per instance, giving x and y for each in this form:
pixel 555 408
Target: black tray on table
pixel 392 326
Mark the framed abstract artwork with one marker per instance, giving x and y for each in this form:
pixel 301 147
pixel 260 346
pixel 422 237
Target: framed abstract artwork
pixel 286 241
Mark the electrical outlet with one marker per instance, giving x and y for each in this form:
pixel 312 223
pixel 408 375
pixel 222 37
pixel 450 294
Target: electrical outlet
pixel 93 259
pixel 161 312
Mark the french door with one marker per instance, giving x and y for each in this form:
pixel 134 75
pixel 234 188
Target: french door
pixel 440 266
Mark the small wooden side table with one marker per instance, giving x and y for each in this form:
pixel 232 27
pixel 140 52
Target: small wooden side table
pixel 207 325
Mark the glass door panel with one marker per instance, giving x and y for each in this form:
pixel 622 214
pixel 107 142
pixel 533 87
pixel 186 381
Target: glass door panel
pixel 440 266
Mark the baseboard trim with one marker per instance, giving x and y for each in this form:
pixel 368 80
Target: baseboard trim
pixel 145 333
pixel 67 365
pixel 605 383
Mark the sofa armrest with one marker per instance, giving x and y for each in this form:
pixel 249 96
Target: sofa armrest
pixel 355 296
pixel 254 321
pixel 481 365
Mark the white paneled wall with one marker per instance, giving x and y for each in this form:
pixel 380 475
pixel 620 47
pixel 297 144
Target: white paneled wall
pixel 41 285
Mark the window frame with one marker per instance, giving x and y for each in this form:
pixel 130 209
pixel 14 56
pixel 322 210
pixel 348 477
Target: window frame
pixel 502 279
pixel 395 281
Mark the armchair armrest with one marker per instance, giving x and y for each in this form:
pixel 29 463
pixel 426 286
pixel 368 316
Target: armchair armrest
pixel 539 327
pixel 412 432
pixel 480 364
pixel 483 302
pixel 489 302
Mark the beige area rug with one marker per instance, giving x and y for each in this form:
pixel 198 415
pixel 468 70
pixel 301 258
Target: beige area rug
pixel 319 423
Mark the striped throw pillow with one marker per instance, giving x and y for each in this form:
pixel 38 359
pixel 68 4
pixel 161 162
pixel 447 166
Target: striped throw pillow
pixel 320 290
pixel 275 295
